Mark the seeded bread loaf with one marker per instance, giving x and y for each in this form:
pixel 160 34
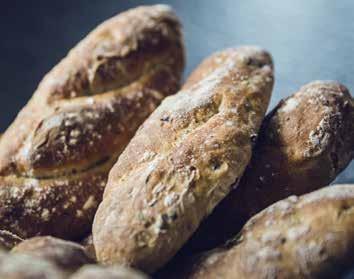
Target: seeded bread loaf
pixel 55 157
pixel 307 237
pixel 183 160
pixel 304 143
pixel 68 256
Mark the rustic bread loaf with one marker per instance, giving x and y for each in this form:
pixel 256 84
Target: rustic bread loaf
pixel 68 256
pixel 8 240
pixel 55 157
pixel 303 144
pixel 183 160
pixel 112 272
pixel 17 266
pixel 311 236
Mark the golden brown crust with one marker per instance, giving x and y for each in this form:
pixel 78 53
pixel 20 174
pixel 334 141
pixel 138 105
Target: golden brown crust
pixel 55 157
pixel 300 237
pixel 182 161
pixel 8 240
pixel 112 272
pixel 68 256
pixel 304 143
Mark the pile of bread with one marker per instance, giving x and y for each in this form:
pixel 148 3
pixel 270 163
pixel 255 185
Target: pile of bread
pixel 112 167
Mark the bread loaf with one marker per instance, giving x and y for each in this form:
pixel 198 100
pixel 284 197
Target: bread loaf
pixel 311 236
pixel 68 256
pixel 183 160
pixel 55 157
pixel 304 143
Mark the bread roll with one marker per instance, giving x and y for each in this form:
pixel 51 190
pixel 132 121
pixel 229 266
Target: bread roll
pixel 55 157
pixel 183 160
pixel 17 266
pixel 311 236
pixel 304 143
pixel 68 256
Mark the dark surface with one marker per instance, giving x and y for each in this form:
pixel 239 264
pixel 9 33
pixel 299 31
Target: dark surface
pixel 309 39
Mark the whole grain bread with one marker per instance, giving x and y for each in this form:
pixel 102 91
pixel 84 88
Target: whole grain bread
pixel 303 144
pixel 183 160
pixel 56 155
pixel 311 236
pixel 67 255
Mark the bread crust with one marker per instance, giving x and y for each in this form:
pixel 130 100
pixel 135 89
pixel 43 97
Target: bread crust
pixel 18 266
pixel 311 236
pixel 304 143
pixel 55 157
pixel 66 255
pixel 183 160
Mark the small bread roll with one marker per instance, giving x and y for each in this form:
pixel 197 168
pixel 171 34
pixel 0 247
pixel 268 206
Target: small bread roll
pixel 183 160
pixel 310 237
pixel 304 143
pixel 68 256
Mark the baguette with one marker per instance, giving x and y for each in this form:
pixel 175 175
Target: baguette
pixel 66 255
pixel 183 160
pixel 112 272
pixel 55 157
pixel 311 236
pixel 304 143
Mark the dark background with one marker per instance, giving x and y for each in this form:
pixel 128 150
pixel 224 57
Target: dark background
pixel 309 39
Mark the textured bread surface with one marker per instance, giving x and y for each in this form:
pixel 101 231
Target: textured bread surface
pixel 56 155
pixel 18 266
pixel 311 236
pixel 112 272
pixel 68 256
pixel 183 160
pixel 303 144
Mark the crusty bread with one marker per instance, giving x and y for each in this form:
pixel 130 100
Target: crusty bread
pixel 112 272
pixel 8 240
pixel 183 160
pixel 55 157
pixel 17 266
pixel 300 237
pixel 304 143
pixel 68 256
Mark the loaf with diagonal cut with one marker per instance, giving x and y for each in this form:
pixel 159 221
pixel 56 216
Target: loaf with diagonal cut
pixel 183 160
pixel 55 157
pixel 303 144
pixel 310 236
